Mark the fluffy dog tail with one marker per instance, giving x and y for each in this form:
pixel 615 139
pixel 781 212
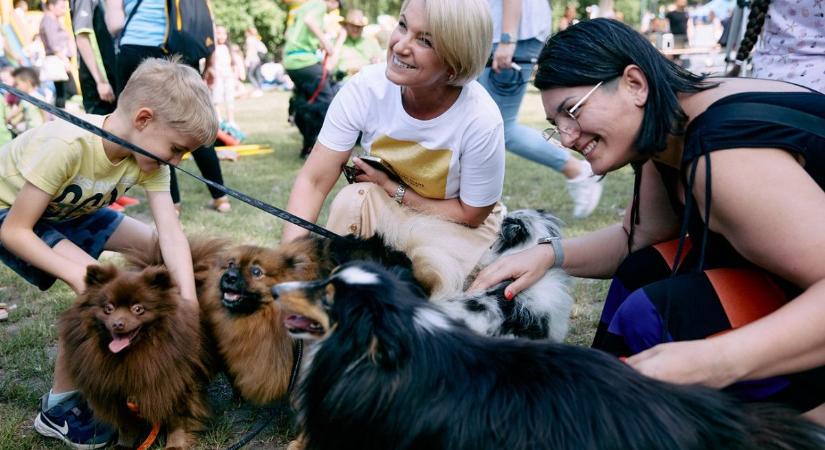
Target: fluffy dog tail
pixel 777 428
pixel 142 258
pixel 440 262
pixel 206 253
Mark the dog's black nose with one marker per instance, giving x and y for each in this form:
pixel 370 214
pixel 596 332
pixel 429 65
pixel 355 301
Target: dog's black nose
pixel 275 292
pixel 230 276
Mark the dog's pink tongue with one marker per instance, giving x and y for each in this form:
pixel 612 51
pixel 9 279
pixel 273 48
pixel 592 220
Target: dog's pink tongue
pixel 118 343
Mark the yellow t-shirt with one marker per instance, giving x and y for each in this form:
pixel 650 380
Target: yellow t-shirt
pixel 69 163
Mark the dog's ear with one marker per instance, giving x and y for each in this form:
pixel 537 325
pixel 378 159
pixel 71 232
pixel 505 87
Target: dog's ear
pixel 301 264
pixel 328 297
pixel 97 275
pixel 552 223
pixel 513 230
pixel 158 278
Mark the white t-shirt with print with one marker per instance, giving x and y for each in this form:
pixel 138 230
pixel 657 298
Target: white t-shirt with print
pixel 459 154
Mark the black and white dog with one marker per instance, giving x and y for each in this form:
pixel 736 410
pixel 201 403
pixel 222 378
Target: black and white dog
pixel 392 371
pixel 541 311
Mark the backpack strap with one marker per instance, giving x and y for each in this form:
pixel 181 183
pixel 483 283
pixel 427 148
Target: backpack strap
pixel 128 19
pixel 774 114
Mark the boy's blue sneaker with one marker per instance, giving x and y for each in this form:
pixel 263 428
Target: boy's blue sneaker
pixel 72 422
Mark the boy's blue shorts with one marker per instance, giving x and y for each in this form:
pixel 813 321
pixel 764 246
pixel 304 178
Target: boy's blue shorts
pixel 89 232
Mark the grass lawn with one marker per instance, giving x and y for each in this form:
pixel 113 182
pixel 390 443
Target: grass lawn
pixel 28 338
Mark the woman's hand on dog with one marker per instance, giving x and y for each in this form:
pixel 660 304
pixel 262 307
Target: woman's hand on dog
pixel 524 268
pixel 686 362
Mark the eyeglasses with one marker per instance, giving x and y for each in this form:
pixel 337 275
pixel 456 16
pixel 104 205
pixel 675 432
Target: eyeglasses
pixel 567 123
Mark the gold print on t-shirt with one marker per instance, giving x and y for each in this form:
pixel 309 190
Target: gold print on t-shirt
pixel 424 170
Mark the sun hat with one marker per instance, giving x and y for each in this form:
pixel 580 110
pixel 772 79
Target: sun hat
pixel 356 18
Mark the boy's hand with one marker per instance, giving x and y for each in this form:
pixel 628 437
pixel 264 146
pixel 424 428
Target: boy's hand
pixel 77 281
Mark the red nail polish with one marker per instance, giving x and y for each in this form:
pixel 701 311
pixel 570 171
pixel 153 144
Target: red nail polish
pixel 508 295
pixel 623 359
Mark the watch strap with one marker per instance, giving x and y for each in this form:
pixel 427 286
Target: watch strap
pixel 399 193
pixel 558 250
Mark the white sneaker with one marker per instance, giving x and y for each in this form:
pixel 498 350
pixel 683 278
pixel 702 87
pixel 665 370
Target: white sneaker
pixel 586 191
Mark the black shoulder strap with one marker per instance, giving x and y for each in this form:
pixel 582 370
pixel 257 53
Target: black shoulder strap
pixel 774 114
pixel 129 19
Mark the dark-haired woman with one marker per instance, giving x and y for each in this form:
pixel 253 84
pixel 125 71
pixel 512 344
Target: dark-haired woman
pixel 745 306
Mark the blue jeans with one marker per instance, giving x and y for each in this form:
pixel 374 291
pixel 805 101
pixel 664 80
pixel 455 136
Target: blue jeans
pixel 507 89
pixel 89 232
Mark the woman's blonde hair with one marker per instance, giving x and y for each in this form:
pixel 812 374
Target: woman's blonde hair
pixel 176 93
pixel 462 32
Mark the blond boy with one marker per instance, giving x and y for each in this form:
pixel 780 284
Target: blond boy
pixel 55 183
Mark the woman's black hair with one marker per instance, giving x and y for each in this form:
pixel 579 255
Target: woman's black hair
pixel 599 50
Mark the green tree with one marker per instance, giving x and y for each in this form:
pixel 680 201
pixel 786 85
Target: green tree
pixel 268 16
pixel 372 8
pixel 630 8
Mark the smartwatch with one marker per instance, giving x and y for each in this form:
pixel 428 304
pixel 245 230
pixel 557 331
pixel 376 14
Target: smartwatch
pixel 505 38
pixel 558 251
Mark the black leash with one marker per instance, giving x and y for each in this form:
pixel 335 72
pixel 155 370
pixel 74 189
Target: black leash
pixel 298 354
pixel 277 212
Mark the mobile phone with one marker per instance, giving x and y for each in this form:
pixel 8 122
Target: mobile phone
pixel 350 172
pixel 379 164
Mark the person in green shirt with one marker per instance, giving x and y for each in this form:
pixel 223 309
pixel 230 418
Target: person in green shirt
pixel 313 92
pixel 303 40
pixel 357 51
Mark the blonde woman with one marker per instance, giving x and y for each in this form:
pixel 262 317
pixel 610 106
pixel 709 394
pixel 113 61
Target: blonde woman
pixel 424 115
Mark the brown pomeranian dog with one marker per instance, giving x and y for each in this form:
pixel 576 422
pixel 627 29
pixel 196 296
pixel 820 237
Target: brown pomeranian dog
pixel 135 350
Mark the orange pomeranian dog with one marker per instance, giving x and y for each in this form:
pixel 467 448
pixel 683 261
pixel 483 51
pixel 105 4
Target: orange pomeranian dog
pixel 136 351
pixel 246 323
